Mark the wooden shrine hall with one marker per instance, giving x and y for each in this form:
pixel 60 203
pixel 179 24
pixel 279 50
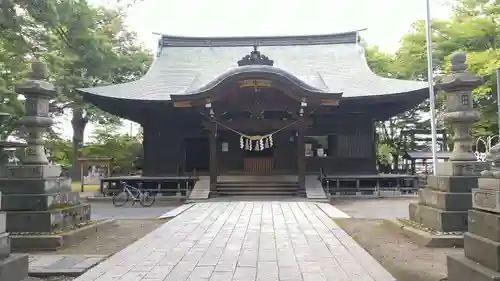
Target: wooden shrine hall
pixel 256 106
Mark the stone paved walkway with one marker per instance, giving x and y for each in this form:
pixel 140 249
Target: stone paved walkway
pixel 240 241
pixel 42 265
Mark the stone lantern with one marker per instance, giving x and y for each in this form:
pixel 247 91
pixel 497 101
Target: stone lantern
pixel 35 197
pixel 444 202
pixel 461 115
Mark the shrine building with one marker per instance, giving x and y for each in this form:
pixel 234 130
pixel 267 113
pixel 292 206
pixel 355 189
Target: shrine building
pixel 259 106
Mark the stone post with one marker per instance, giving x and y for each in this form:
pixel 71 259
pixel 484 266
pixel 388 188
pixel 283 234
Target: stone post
pixel 36 198
pixel 13 267
pixel 481 258
pixel 444 202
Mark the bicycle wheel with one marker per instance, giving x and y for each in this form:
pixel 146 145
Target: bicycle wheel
pixel 121 198
pixel 147 199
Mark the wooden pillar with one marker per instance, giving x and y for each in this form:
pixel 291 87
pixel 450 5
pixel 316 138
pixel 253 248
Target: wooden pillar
pixel 213 162
pixel 301 165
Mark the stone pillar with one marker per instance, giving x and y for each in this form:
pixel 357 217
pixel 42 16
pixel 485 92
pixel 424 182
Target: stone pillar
pixel 444 202
pixel 13 267
pixel 481 258
pixel 36 198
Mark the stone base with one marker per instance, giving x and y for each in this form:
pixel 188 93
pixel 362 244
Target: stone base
pixel 486 199
pixel 461 168
pixel 426 239
pixel 32 243
pixel 437 219
pixel 445 200
pixel 35 186
pixel 14 268
pixel 482 250
pixel 63 219
pixel 452 183
pixel 38 202
pixel 33 171
pixel 4 245
pixel 484 224
pixel 461 268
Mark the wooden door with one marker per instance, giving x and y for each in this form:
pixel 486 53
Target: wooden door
pixel 259 165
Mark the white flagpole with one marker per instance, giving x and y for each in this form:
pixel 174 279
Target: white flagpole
pixel 430 74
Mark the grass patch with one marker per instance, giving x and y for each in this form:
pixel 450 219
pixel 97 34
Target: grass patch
pixel 60 207
pixel 76 186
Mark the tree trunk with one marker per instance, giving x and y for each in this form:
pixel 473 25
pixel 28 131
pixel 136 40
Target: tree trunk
pixel 78 122
pixel 395 162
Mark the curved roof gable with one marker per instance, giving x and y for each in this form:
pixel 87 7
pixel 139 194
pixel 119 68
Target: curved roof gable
pixel 328 63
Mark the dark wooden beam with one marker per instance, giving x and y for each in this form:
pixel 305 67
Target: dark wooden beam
pixel 213 163
pixel 301 164
pixel 259 124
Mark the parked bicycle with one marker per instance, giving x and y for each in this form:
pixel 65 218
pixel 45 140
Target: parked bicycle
pixel 145 198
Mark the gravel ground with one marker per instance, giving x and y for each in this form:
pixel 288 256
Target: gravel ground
pixel 126 232
pixel 405 260
pixel 377 208
pixel 106 210
pixel 114 239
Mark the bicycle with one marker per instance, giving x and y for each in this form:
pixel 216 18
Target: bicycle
pixel 146 199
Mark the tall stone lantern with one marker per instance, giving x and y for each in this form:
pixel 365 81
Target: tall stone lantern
pixel 35 197
pixel 444 202
pixel 38 93
pixel 460 113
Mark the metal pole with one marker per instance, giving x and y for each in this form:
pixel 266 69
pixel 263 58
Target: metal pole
pixel 498 98
pixel 430 74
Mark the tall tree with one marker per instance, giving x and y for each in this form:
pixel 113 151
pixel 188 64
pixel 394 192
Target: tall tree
pixel 99 50
pixel 474 28
pixel 392 141
pixel 84 45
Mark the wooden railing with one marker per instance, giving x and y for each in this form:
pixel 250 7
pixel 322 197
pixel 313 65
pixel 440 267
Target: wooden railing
pixel 259 164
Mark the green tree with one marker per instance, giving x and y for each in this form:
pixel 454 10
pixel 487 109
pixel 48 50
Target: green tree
pixel 12 66
pixel 392 142
pixel 474 28
pixel 123 148
pixel 60 149
pixel 97 50
pixel 84 45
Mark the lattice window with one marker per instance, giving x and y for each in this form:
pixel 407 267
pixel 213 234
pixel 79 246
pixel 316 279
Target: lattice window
pixel 465 100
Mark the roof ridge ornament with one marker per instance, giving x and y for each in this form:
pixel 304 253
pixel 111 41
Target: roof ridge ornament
pixel 255 58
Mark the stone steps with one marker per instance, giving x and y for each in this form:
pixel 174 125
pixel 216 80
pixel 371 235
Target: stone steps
pixel 257 188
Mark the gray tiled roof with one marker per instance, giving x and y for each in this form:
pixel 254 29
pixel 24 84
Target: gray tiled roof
pixel 327 63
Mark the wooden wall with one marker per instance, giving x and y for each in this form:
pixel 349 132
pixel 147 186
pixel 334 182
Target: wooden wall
pixel 351 141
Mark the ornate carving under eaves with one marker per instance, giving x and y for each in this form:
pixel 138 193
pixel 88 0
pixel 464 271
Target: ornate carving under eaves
pixel 255 58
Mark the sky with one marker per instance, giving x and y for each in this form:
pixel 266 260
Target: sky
pixel 385 21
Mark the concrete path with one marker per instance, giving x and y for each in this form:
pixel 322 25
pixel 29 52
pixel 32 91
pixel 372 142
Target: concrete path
pixel 41 265
pixel 314 189
pixel 201 189
pixel 175 212
pixel 240 241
